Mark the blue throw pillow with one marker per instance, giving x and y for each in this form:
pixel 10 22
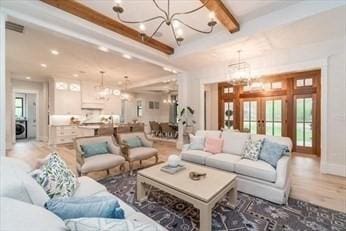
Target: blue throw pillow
pixel 95 149
pixel 134 142
pixel 272 152
pixel 92 206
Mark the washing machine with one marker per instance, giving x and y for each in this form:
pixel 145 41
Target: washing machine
pixel 21 129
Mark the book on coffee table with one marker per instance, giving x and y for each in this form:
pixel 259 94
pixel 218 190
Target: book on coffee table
pixel 172 170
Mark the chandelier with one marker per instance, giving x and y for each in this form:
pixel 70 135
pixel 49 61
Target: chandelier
pixel 170 19
pixel 102 92
pixel 124 93
pixel 239 74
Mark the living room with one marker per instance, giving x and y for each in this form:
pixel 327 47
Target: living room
pixel 250 112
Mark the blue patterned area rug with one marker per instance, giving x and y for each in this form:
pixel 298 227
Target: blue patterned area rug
pixel 251 213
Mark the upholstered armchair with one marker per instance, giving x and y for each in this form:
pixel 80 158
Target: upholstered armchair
pixel 98 162
pixel 144 152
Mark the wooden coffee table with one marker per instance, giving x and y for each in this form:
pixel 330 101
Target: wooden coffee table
pixel 203 194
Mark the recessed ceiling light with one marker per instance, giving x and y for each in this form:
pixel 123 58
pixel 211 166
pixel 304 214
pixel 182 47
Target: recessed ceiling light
pixel 75 75
pixel 54 52
pixel 28 77
pixel 104 49
pixel 126 56
pixel 43 65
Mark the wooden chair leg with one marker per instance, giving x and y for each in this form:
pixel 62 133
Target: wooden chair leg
pixel 140 163
pixel 156 158
pixel 122 168
pixel 107 171
pixel 131 168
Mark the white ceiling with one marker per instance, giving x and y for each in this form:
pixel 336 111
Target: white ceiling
pixel 135 10
pixel 322 27
pixel 25 52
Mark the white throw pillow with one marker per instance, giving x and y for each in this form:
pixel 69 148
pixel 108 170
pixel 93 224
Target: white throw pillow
pixel 196 142
pixel 20 216
pixel 234 142
pixel 16 183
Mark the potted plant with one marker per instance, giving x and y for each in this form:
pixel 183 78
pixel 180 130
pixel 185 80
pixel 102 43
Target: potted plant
pixel 186 118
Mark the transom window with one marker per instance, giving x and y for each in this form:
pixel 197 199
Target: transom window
pixel 304 82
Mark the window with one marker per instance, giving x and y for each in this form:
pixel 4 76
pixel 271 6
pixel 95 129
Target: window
pixel 273 117
pixel 228 107
pixel 74 87
pixel 250 116
pixel 19 107
pixel 304 109
pixel 61 85
pixel 228 90
pixel 139 109
pixel 308 82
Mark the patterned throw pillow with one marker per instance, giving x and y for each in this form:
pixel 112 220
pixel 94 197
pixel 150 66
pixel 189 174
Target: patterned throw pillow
pixel 56 178
pixel 252 149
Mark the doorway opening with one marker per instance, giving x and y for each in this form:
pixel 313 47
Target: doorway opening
pixel 280 105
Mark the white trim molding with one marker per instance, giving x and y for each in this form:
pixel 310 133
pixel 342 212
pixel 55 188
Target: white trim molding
pixel 2 85
pixel 334 169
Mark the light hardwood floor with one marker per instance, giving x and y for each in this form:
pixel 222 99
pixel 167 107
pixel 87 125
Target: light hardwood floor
pixel 308 184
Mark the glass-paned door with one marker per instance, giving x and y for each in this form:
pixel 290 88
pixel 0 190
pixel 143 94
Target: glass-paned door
pixel 228 115
pixel 304 122
pixel 249 116
pixel 273 119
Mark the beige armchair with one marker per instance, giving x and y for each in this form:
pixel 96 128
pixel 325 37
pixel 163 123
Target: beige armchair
pixel 137 154
pixel 98 162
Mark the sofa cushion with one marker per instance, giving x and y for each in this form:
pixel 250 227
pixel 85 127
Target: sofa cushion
pixel 101 162
pixel 133 142
pixel 271 152
pixel 140 218
pixel 209 133
pixel 195 156
pixel 91 206
pixel 234 142
pixel 21 216
pixel 257 169
pixel 16 183
pixel 275 139
pixel 213 145
pixel 56 178
pixel 223 161
pixel 94 149
pixel 252 149
pixel 141 153
pixel 106 224
pixel 88 187
pixel 196 142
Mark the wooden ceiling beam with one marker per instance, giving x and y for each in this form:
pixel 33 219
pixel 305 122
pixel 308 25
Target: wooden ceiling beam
pixel 223 15
pixel 84 12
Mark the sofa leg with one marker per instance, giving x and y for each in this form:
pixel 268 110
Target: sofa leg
pixel 79 173
pixel 122 168
pixel 131 168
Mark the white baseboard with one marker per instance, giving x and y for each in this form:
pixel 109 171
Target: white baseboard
pixel 334 169
pixel 42 138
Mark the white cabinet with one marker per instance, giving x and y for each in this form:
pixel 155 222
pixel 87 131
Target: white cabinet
pixel 63 134
pixel 65 97
pixel 112 106
pixel 88 94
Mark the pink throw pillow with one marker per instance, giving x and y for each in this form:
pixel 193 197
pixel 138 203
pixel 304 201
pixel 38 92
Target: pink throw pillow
pixel 213 145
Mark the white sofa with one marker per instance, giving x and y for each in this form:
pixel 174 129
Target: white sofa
pixel 256 178
pixel 22 201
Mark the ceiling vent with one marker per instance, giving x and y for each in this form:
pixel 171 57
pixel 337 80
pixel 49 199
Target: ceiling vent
pixel 14 27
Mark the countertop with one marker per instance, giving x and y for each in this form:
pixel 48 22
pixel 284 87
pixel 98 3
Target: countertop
pixel 93 126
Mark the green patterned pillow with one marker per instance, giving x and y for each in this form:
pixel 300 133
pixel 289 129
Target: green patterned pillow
pixel 252 149
pixel 56 178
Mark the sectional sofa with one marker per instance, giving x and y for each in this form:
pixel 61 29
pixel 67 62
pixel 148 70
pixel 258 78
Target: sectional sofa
pixel 257 178
pixel 22 200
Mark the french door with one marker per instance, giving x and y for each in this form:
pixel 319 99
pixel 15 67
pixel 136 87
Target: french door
pixel 305 125
pixel 264 115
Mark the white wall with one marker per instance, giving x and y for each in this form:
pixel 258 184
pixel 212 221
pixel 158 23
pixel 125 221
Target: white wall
pixel 328 56
pixel 42 89
pixel 159 115
pixel 212 109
